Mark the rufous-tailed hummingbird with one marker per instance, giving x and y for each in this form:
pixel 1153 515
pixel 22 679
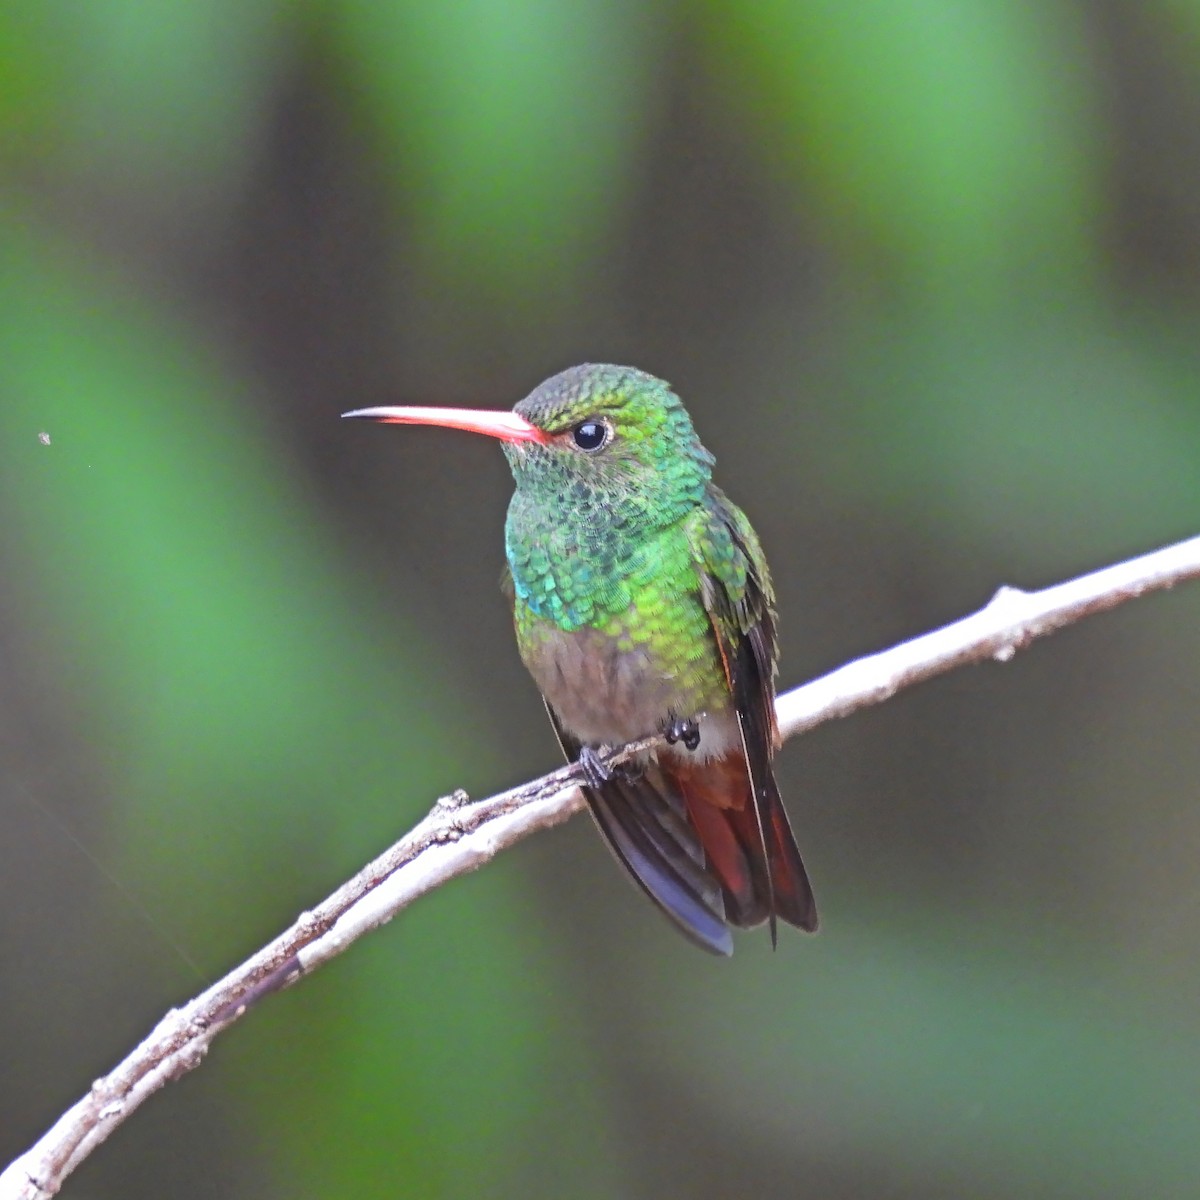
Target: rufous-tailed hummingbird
pixel 642 603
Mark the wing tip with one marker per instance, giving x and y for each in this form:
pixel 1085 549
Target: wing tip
pixel 718 944
pixel 674 886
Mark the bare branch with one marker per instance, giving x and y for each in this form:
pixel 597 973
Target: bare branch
pixel 459 836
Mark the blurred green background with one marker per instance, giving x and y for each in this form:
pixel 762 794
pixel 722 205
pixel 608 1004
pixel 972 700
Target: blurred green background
pixel 928 275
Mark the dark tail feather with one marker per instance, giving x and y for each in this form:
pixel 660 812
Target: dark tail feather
pixel 729 852
pixel 645 823
pixel 642 822
pixel 793 893
pixel 760 868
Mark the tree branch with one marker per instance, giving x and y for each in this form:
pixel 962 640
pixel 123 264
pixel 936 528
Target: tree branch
pixel 458 836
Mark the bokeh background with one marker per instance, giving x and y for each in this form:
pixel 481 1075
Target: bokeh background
pixel 928 276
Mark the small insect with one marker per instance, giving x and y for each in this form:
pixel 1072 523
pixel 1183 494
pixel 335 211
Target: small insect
pixel 44 438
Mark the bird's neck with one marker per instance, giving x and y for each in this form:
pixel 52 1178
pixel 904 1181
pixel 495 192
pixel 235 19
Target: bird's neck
pixel 574 564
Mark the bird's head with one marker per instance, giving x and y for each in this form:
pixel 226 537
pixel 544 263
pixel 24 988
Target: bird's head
pixel 594 440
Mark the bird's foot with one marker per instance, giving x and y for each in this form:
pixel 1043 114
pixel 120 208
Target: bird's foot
pixel 683 729
pixel 595 770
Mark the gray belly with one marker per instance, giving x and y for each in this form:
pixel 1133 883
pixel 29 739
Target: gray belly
pixel 603 694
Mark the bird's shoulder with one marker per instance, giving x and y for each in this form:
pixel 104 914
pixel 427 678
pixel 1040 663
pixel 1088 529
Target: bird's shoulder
pixel 735 586
pixel 729 556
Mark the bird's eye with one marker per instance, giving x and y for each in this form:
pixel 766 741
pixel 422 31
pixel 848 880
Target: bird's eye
pixel 590 436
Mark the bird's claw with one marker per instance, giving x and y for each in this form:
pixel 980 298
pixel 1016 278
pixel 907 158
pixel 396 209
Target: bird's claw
pixel 683 729
pixel 595 770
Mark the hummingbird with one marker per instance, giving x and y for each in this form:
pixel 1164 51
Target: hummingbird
pixel 642 604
